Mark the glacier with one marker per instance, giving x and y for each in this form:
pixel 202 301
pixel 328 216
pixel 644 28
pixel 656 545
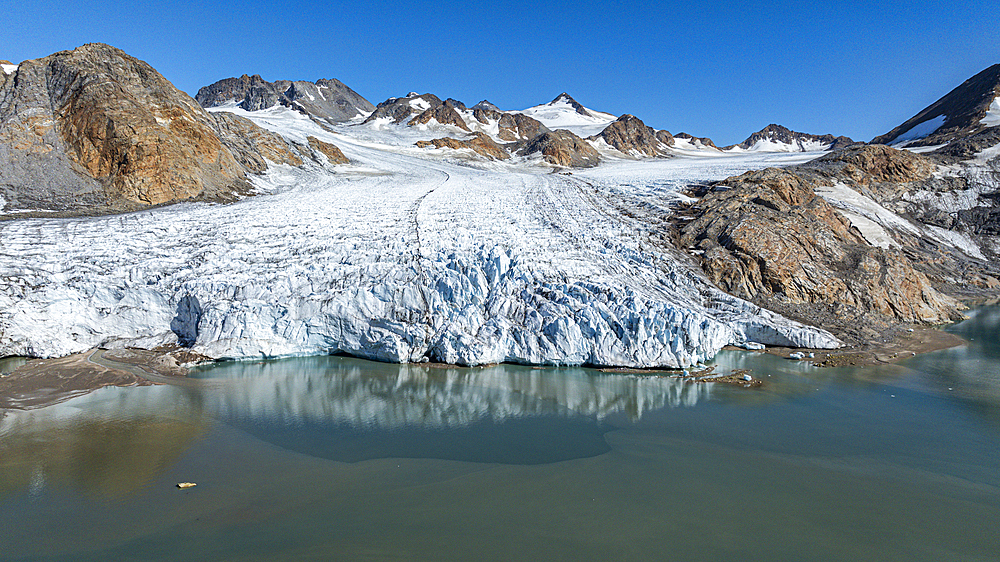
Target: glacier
pixel 404 255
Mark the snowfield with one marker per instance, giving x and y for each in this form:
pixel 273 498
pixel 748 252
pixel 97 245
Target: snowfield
pixel 560 114
pixel 405 255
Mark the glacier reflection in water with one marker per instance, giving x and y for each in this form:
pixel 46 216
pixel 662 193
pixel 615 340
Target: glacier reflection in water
pixel 389 396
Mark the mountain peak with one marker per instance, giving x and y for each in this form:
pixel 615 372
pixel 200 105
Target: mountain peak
pixel 485 105
pixel 327 98
pixel 778 138
pixel 565 98
pixel 961 112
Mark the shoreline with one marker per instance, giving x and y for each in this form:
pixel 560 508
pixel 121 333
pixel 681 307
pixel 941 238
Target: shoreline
pixel 44 382
pixel 903 345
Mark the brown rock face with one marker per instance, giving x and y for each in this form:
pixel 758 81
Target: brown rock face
pixel 444 114
pixel 516 126
pixel 94 127
pixel 480 142
pixel 400 109
pixel 877 164
pixel 630 135
pixel 562 148
pixel 252 146
pixel 512 126
pixel 332 153
pixel 127 126
pixel 665 137
pixel 697 140
pixel 767 237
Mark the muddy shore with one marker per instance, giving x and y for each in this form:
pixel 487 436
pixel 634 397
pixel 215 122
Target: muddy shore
pixel 42 382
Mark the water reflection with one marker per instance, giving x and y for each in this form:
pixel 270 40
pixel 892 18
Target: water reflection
pixel 114 440
pixel 969 372
pixel 364 394
pixel 108 444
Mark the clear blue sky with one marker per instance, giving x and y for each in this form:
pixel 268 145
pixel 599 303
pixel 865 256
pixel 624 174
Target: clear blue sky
pixel 709 68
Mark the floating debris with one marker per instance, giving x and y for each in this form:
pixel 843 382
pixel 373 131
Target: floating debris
pixel 183 485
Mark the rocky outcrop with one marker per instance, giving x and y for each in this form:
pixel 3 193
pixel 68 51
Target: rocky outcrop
pixel 251 93
pixel 697 142
pixel 517 126
pixel 562 148
pixel 631 136
pixel 481 143
pixel 795 141
pixel 485 105
pixel 398 110
pixel 327 99
pixel 333 154
pixel 959 114
pixel 486 115
pixel 768 237
pixel 967 147
pixel 665 137
pixel 877 171
pixel 444 114
pixel 874 164
pixel 251 145
pixel 95 130
pixel 511 127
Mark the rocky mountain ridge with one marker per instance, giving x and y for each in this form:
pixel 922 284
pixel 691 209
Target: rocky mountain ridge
pixel 968 109
pixel 327 99
pixel 777 137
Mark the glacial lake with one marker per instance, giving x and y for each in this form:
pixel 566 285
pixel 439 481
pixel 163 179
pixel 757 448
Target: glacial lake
pixel 333 458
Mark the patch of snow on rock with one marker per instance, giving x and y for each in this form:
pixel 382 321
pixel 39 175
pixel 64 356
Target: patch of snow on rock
pixel 921 130
pixel 992 118
pixel 865 214
pixel 958 240
pixel 420 104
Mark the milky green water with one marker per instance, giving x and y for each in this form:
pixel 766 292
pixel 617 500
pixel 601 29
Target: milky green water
pixel 341 459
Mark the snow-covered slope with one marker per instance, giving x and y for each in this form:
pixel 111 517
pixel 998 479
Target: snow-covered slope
pixel 919 131
pixel 992 118
pixel 400 256
pixel 771 145
pixel 566 113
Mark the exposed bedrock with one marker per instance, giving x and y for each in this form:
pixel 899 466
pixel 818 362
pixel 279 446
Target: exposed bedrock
pixel 796 241
pixel 95 130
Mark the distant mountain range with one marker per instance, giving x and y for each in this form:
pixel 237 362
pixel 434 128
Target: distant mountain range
pixel 58 141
